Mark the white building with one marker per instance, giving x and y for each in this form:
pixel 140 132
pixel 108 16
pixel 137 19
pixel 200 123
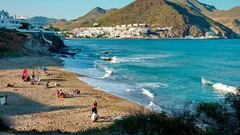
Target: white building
pixel 9 22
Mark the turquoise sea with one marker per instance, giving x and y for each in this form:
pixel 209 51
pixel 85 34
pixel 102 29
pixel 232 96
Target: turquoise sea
pixel 160 74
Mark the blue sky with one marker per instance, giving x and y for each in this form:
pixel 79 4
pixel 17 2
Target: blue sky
pixel 71 9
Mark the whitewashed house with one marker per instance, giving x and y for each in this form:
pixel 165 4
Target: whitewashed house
pixel 9 22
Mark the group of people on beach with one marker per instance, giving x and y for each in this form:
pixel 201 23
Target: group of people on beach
pixel 75 92
pixel 26 77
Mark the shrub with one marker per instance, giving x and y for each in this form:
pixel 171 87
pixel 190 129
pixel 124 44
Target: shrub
pixel 234 101
pixel 211 110
pixel 3 126
pixel 157 123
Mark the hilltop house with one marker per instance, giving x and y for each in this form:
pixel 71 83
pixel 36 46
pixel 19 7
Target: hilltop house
pixel 9 22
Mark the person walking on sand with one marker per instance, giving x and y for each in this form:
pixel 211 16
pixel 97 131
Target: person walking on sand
pixel 94 107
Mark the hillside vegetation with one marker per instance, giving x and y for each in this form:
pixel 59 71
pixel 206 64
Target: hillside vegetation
pixel 184 19
pixel 229 18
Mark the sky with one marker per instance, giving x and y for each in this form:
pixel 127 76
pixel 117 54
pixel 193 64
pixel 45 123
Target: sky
pixel 72 9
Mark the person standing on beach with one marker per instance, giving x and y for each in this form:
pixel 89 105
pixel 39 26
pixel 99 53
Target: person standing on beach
pixel 94 107
pixel 24 74
pixel 94 116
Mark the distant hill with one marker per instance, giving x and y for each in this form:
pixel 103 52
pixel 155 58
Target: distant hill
pixel 86 20
pixel 42 20
pixel 179 15
pixel 229 18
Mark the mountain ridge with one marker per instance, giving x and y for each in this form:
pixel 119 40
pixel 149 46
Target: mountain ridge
pixel 40 20
pixel 187 17
pixel 85 20
pixel 229 18
pixel 180 16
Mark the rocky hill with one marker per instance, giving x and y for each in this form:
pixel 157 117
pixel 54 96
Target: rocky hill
pixel 84 21
pixel 229 18
pixel 42 20
pixel 13 43
pixel 196 5
pixel 184 19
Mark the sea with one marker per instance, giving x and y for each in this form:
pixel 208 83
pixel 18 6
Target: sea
pixel 162 75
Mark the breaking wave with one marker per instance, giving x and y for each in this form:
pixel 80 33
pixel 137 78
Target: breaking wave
pixel 153 85
pixel 147 93
pixel 108 73
pixel 219 86
pixel 152 106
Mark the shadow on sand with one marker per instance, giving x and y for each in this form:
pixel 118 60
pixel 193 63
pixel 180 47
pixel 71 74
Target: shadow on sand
pixel 19 105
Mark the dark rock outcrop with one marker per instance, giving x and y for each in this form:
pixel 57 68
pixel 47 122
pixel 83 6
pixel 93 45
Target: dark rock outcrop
pixel 13 43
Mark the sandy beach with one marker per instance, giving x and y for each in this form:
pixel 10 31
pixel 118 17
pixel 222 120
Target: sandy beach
pixel 35 107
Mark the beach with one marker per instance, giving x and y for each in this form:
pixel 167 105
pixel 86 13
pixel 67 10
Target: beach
pixel 37 108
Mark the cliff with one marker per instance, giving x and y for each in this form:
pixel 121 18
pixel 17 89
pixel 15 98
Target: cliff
pixel 13 43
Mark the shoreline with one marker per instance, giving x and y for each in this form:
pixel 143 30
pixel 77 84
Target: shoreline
pixel 65 38
pixel 33 107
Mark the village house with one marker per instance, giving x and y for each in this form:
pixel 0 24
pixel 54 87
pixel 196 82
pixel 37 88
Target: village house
pixel 9 22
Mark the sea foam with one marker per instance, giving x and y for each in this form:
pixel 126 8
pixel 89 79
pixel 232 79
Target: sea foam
pixel 152 106
pixel 147 93
pixel 108 73
pixel 220 86
pixel 225 88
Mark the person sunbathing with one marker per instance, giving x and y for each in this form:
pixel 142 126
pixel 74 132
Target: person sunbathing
pixel 60 94
pixel 76 91
pixel 57 84
pixel 34 82
pixel 47 85
pixel 11 84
